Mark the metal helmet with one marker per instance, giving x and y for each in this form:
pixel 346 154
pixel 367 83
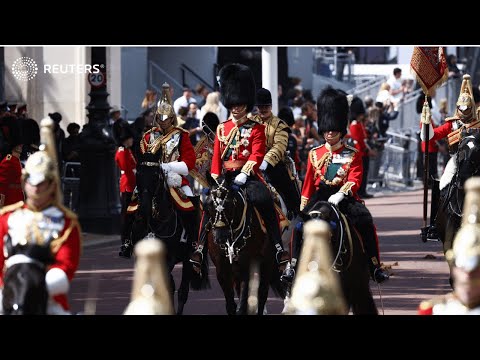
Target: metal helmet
pixel 165 106
pixel 466 103
pixel 316 290
pixel 465 252
pixel 150 294
pixel 43 165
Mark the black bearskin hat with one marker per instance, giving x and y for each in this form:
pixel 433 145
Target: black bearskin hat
pixel 31 132
pixel 121 131
pixel 263 97
pixel 356 108
pixel 211 120
pixel 237 86
pixel 10 134
pixel 332 108
pixel 286 114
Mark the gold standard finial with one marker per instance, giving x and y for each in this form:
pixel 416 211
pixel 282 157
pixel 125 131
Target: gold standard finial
pixel 150 294
pixel 316 290
pixel 465 252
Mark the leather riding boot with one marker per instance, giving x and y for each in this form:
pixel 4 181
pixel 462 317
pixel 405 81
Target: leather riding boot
pixel 197 256
pixel 297 241
pixel 368 233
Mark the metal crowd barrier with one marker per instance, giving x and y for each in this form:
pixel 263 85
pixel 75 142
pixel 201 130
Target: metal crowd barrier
pixel 71 184
pixel 395 165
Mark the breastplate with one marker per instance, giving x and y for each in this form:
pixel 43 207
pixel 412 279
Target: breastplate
pixel 26 226
pixel 171 148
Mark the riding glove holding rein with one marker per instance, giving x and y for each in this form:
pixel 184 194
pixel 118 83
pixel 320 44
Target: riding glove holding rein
pixel 336 198
pixel 241 179
pixel 264 165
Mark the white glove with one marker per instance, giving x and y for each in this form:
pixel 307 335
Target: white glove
pixel 336 198
pixel 264 165
pixel 240 179
pixel 176 166
pixel 57 282
pixel 165 168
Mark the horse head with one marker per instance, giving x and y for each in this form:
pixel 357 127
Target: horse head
pixel 323 210
pixel 25 290
pixel 224 206
pixel 468 155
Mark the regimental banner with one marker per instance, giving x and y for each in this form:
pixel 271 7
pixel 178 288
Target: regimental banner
pixel 430 67
pixel 203 162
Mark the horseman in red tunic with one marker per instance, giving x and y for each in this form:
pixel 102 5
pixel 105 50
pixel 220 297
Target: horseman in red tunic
pixel 44 221
pixel 166 147
pixel 240 147
pixel 334 174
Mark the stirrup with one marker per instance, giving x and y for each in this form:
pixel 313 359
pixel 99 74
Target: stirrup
pixel 282 257
pixel 197 264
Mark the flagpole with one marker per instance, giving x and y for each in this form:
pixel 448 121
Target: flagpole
pixel 425 171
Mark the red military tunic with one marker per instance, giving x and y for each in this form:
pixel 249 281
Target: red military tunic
pixel 239 146
pixel 58 222
pixel 359 134
pixel 340 165
pixel 176 146
pixel 126 163
pixel 10 180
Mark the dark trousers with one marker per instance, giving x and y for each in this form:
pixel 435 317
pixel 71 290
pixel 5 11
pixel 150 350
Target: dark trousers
pixel 125 199
pixel 366 165
pixel 279 178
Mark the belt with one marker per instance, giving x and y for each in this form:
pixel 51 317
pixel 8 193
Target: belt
pixel 233 164
pixel 150 163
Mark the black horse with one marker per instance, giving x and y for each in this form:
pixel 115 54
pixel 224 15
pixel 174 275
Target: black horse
pixel 158 215
pixel 350 260
pixel 236 241
pixel 25 290
pixel 449 216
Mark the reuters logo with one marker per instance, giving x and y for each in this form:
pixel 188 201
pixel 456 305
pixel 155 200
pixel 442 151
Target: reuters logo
pixel 24 68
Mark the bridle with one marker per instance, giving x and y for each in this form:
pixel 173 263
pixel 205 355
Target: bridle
pixel 221 220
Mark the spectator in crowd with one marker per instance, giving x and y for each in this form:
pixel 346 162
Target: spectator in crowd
pixel 192 124
pixel 72 143
pixel 396 88
pixel 22 111
pixel 286 115
pixel 203 92
pixel 150 100
pixel 453 70
pixel 184 101
pixel 59 137
pixel 182 115
pixel 214 105
pixel 309 111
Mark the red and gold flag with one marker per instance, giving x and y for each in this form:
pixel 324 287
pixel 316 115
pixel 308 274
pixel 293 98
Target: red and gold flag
pixel 429 66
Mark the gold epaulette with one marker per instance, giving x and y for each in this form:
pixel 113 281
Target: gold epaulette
pixel 182 129
pixel 11 207
pixel 452 118
pixel 351 148
pixel 317 147
pixel 255 118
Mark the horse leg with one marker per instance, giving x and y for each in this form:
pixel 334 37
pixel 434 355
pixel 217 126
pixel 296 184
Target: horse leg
pixel 182 296
pixel 225 280
pixel 262 293
pixel 243 308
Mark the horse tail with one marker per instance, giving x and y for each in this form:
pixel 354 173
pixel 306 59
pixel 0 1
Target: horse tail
pixel 200 281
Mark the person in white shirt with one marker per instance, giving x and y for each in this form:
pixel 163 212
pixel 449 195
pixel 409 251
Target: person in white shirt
pixel 396 88
pixel 184 101
pixel 214 105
